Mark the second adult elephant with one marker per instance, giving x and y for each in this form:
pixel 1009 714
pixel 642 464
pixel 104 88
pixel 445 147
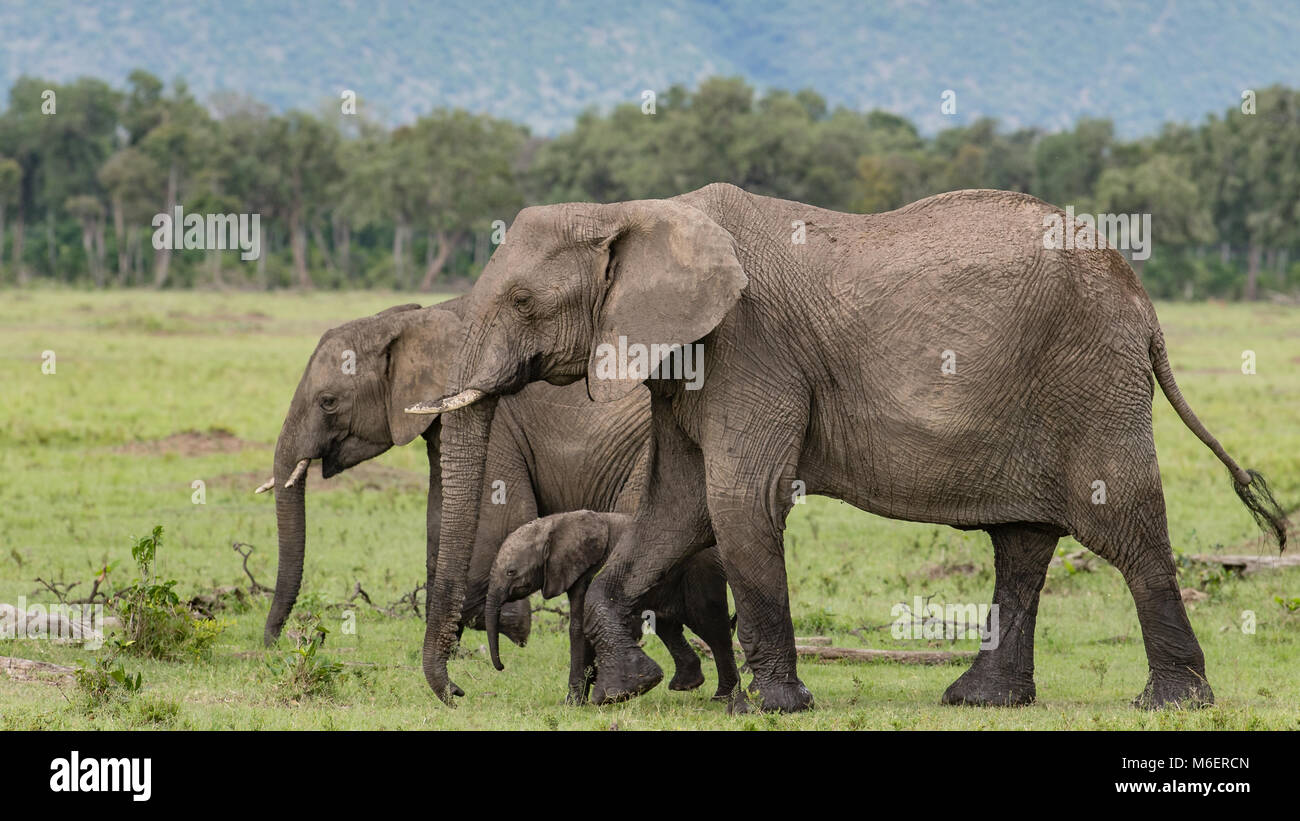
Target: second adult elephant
pixel 552 450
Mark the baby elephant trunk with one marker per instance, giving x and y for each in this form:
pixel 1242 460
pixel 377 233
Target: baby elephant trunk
pixel 492 621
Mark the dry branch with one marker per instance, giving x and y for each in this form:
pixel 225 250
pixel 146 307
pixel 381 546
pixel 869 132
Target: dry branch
pixel 859 655
pixel 254 587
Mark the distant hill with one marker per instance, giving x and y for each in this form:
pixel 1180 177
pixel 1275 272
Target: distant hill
pixel 1140 63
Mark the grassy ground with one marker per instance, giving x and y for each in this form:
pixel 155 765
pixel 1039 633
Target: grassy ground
pixel 154 391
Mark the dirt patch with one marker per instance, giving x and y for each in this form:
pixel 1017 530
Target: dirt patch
pixel 183 323
pixel 943 571
pixel 222 317
pixel 191 443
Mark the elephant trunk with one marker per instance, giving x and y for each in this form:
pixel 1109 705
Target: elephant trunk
pixel 492 617
pixel 464 452
pixel 291 524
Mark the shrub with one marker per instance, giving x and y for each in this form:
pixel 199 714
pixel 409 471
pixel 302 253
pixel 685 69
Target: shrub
pixel 302 672
pixel 107 682
pixel 156 623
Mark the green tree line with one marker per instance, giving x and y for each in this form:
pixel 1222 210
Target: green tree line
pixel 344 201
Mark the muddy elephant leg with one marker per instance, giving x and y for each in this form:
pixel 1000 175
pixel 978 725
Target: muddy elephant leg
pixel 689 674
pixel 1003 671
pixel 671 524
pixel 1135 538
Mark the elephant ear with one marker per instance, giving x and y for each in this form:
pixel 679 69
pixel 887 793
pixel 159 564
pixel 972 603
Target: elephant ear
pixel 419 359
pixel 671 276
pixel 578 542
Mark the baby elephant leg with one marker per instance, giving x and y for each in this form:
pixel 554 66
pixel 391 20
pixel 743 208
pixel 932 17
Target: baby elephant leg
pixel 688 675
pixel 582 656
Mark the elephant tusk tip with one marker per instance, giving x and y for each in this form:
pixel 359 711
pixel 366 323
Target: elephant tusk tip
pixel 298 471
pixel 265 486
pixel 447 403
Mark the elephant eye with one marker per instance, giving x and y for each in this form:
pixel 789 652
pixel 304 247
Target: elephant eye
pixel 329 404
pixel 523 302
pixel 510 572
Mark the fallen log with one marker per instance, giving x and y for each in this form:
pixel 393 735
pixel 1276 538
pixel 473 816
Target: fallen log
pixel 21 669
pixel 1249 564
pixel 867 655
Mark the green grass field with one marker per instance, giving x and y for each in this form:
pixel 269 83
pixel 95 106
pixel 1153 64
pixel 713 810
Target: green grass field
pixel 153 391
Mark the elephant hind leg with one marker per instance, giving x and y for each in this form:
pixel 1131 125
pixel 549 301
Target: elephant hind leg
pixel 689 674
pixel 717 635
pixel 1134 537
pixel 707 616
pixel 1003 671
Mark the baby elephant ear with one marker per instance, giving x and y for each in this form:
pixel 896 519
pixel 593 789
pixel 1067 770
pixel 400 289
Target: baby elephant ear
pixel 419 358
pixel 671 276
pixel 578 542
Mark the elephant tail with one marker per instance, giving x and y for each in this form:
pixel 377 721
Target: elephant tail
pixel 1248 484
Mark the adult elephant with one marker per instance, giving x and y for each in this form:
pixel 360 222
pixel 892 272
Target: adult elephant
pixel 552 450
pixel 936 363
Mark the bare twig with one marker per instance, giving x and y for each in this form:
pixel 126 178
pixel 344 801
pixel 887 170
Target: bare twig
pixel 254 586
pixel 559 611
pixel 357 591
pixel 54 587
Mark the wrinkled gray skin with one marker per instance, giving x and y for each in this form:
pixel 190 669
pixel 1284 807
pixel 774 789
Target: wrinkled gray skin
pixel 551 448
pixel 561 553
pixel 824 364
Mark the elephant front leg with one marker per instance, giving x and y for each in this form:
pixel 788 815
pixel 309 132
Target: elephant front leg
pixel 623 670
pixel 751 477
pixel 671 524
pixel 755 567
pixel 582 657
pixel 1003 671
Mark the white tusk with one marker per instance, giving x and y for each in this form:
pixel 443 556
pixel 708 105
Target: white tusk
pixel 297 472
pixel 270 483
pixel 447 403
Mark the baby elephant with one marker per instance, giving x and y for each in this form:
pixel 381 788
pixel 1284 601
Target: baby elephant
pixel 562 552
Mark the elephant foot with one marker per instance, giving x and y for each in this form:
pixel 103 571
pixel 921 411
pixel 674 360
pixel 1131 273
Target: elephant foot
pixel 780 697
pixel 687 679
pixel 575 699
pixel 1187 689
pixel 980 688
pixel 636 674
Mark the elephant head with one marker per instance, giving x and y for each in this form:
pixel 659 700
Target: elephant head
pixel 570 281
pixel 348 407
pixel 549 554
